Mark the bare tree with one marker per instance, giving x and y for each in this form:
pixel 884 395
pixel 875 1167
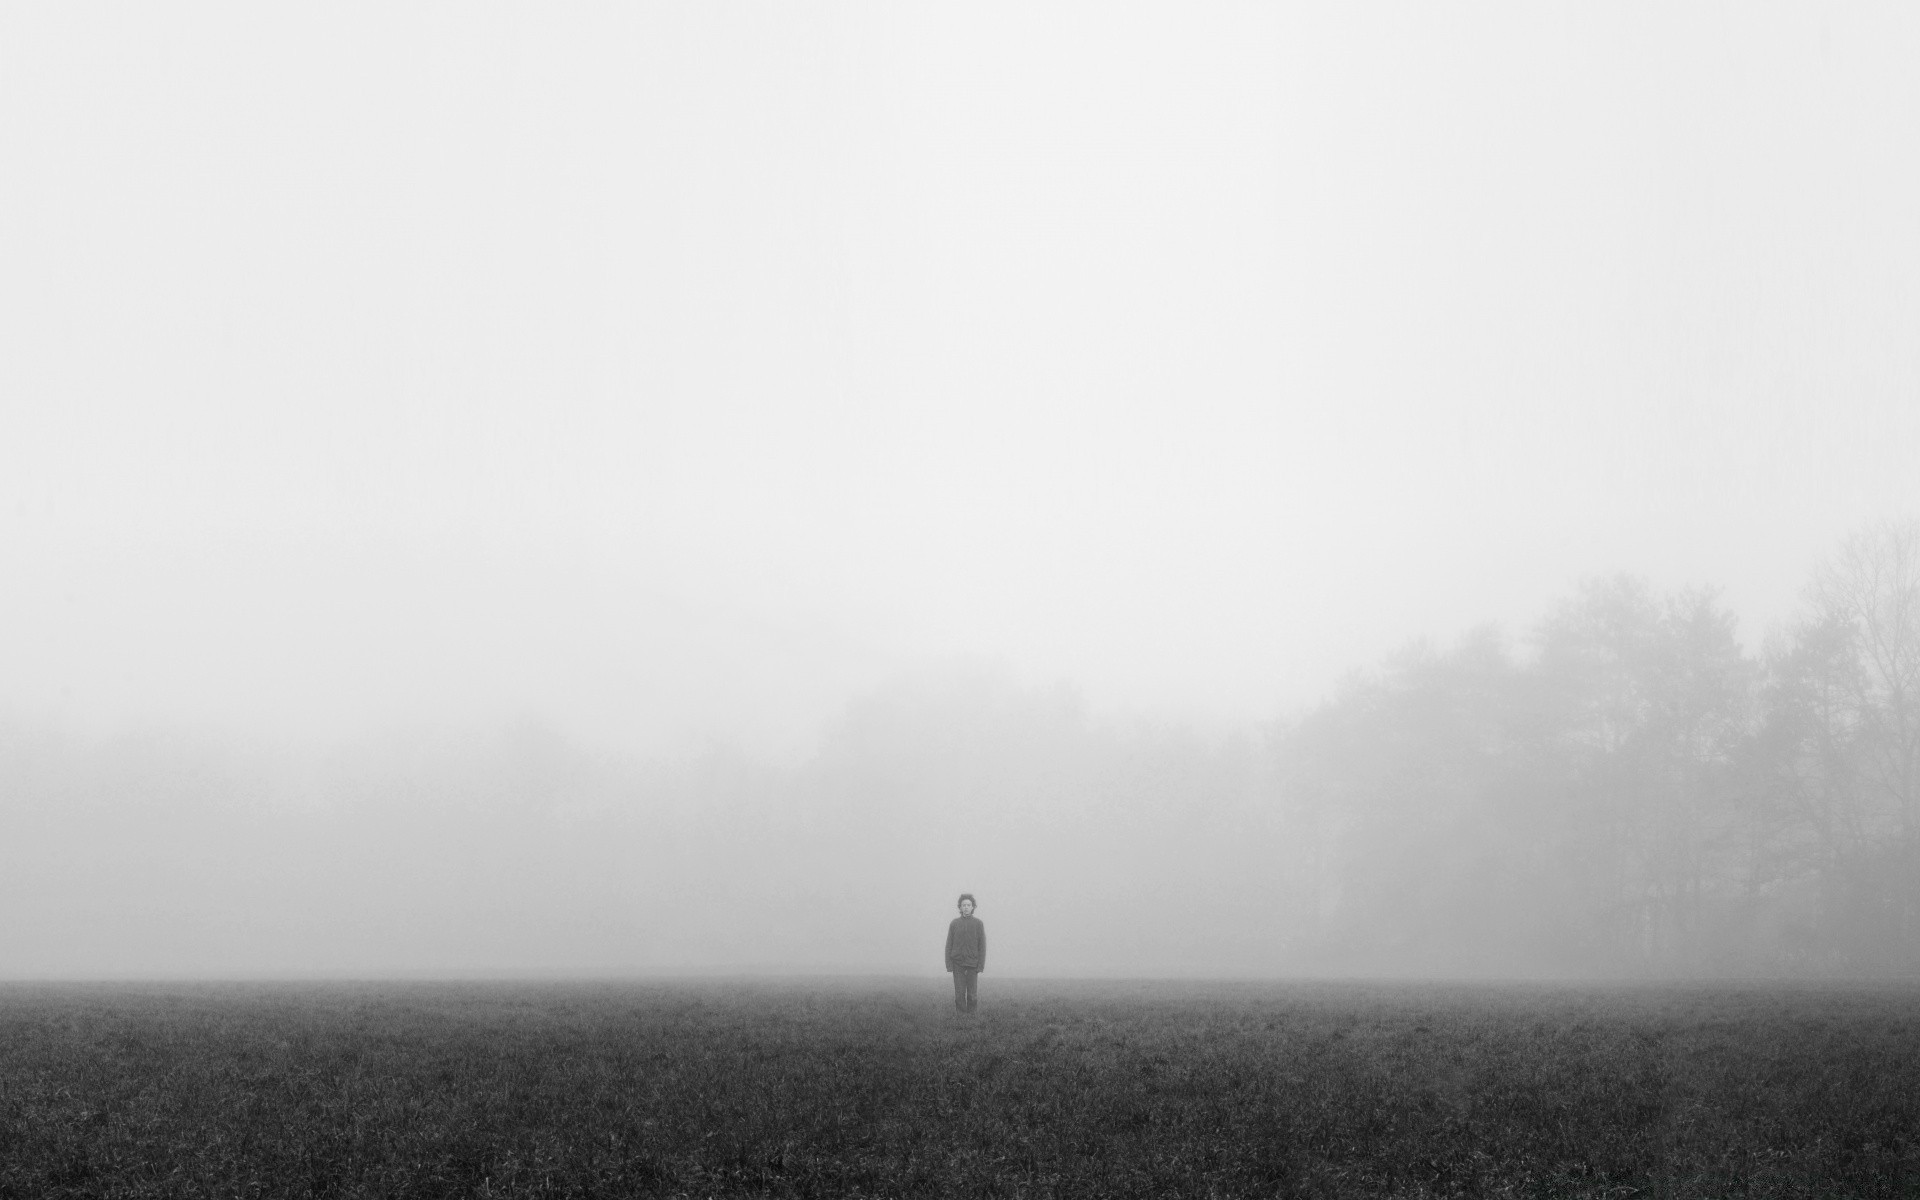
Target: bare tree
pixel 1868 594
pixel 1870 590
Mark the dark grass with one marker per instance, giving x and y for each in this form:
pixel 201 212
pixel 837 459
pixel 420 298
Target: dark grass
pixel 876 1088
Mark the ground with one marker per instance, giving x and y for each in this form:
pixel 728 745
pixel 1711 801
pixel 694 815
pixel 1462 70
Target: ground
pixel 814 1087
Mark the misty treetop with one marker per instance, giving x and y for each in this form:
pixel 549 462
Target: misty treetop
pixel 1622 789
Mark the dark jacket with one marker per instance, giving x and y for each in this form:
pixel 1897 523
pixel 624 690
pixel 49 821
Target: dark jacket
pixel 966 944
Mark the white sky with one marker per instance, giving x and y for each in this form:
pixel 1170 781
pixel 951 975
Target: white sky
pixel 673 372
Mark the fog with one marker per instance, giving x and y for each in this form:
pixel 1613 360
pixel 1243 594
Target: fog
pixel 1242 492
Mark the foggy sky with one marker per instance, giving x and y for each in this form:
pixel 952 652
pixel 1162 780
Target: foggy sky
pixel 674 374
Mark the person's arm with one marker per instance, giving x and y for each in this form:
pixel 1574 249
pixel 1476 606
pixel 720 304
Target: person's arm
pixel 983 947
pixel 950 925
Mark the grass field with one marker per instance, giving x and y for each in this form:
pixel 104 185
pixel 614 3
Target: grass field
pixel 876 1088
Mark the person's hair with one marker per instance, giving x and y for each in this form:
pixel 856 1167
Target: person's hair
pixel 964 897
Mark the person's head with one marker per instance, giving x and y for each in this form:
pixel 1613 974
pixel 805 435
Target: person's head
pixel 966 904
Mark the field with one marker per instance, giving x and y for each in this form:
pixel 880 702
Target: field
pixel 876 1088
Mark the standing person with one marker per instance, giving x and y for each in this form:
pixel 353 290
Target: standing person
pixel 966 953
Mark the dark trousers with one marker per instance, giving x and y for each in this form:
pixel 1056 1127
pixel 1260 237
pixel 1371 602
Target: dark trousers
pixel 964 998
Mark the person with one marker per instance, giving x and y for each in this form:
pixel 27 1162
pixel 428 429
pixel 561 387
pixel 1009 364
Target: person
pixel 966 954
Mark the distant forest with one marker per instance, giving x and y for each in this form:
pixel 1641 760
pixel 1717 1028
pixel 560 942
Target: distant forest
pixel 1634 791
pixel 1622 791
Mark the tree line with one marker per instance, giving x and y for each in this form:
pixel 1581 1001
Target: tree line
pixel 1622 790
pixel 1633 793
